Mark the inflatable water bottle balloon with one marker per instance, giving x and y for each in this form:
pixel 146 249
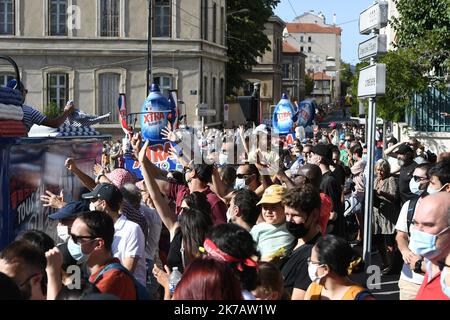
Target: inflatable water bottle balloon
pixel 282 116
pixel 156 113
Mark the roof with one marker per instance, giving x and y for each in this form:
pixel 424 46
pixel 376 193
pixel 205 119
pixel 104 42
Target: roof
pixel 311 28
pixel 287 48
pixel 321 76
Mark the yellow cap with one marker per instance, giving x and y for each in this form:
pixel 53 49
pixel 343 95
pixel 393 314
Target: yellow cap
pixel 273 194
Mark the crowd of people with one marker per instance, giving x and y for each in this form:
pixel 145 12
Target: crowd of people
pixel 271 220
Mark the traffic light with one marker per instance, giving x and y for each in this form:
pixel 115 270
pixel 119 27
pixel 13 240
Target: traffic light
pixel 249 106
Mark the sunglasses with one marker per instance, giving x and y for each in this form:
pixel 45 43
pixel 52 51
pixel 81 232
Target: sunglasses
pixel 417 178
pixel 76 238
pixel 243 176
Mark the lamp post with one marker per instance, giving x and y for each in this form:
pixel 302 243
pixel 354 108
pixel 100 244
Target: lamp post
pixel 149 44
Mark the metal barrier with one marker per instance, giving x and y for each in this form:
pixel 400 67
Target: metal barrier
pixel 426 112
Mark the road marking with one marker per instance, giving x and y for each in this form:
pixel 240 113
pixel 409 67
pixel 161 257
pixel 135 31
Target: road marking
pixel 386 292
pixel 382 283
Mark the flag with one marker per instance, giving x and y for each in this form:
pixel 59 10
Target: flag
pixel 122 105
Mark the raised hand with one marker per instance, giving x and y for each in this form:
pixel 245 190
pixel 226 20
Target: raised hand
pixel 168 134
pixel 52 200
pixel 70 164
pixel 143 152
pixel 98 170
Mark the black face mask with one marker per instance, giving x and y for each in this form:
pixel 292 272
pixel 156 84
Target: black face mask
pixel 297 230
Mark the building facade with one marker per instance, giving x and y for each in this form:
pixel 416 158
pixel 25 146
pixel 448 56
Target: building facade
pixel 321 43
pixel 293 72
pixel 92 50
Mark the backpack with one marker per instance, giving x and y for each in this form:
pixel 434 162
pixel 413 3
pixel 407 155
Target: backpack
pixel 410 214
pixel 141 291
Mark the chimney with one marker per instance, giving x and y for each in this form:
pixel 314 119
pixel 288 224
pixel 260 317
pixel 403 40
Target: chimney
pixel 334 18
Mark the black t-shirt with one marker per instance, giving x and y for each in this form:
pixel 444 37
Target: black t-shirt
pixel 339 174
pixel 174 256
pixel 331 187
pixel 405 177
pixel 295 269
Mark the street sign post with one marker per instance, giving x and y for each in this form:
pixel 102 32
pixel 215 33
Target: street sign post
pixel 375 46
pixel 374 17
pixel 372 83
pixel 204 111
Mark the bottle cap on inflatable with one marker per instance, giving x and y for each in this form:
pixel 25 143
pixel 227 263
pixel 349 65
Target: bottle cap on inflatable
pixel 282 116
pixel 156 113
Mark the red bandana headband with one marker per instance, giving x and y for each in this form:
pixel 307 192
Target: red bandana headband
pixel 218 254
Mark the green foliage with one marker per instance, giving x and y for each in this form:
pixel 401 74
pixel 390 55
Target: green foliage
pixel 309 85
pixel 52 110
pixel 245 37
pixel 346 77
pixel 424 27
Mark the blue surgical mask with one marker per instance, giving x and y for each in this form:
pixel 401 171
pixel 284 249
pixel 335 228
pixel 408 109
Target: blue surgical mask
pixel 76 252
pixel 223 159
pixel 430 190
pixel 239 184
pixel 414 186
pixel 425 243
pixel 364 157
pixel 445 288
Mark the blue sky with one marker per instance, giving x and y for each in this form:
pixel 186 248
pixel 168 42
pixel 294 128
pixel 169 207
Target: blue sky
pixel 346 11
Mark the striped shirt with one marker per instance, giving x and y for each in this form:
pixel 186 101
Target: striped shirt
pixel 32 116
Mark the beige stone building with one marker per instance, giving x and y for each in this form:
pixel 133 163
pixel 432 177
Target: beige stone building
pixel 293 72
pixel 92 50
pixel 321 43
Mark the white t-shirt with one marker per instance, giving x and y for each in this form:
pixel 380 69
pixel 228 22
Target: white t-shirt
pixel 129 242
pixel 402 225
pixel 154 226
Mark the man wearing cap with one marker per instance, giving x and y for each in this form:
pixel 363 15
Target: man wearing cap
pixel 333 136
pixel 32 116
pixel 66 216
pixel 322 156
pixel 129 240
pixel 271 236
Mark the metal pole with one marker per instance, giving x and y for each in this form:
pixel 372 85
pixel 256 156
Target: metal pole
pixel 149 43
pixel 368 203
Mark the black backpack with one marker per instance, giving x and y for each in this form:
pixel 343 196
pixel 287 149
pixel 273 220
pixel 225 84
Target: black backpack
pixel 410 214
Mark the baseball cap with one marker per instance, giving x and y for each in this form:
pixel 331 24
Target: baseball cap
pixel 273 194
pixel 119 177
pixel 105 191
pixel 14 84
pixel 332 125
pixel 70 210
pixel 402 149
pixel 324 151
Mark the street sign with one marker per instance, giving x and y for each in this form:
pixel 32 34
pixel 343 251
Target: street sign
pixel 226 112
pixel 204 111
pixel 375 46
pixel 372 81
pixel 374 17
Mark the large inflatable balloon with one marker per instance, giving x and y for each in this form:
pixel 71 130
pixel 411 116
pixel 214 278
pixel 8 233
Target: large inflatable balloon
pixel 306 113
pixel 157 111
pixel 283 114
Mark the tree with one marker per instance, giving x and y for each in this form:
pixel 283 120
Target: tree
pixel 346 76
pixel 424 28
pixel 309 85
pixel 246 40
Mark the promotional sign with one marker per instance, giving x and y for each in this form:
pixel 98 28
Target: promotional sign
pixel 374 17
pixel 306 113
pixel 122 104
pixel 375 46
pixel 204 111
pixel 372 81
pixel 282 116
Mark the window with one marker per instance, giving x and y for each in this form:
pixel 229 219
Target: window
pixel 6 17
pixel 326 84
pixel 58 17
pixel 221 100
pixel 109 12
pixel 309 49
pixel 222 24
pixel 214 23
pixel 58 89
pixel 205 19
pixel 205 90
pixel 162 18
pixel 301 49
pixel 164 83
pixel 309 39
pixel 5 78
pixel 317 84
pixel 301 39
pixel 286 68
pixel 109 84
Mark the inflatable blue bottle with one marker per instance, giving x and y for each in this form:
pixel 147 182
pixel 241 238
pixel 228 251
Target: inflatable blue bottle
pixel 157 112
pixel 282 116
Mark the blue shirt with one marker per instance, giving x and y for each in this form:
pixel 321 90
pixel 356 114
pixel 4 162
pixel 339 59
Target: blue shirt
pixel 32 116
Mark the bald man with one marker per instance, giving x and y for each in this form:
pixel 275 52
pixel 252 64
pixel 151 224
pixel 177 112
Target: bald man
pixel 430 236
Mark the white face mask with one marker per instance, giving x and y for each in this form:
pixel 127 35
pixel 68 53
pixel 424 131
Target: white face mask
pixel 223 159
pixel 63 233
pixel 239 184
pixel 92 206
pixel 230 214
pixel 430 190
pixel 312 272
